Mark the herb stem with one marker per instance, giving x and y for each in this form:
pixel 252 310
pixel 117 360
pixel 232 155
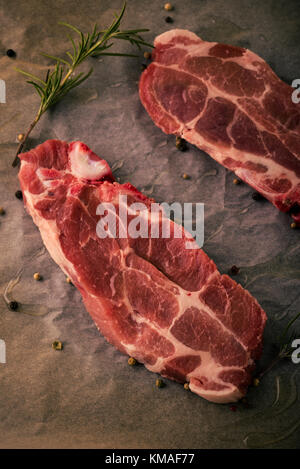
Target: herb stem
pixel 290 323
pixel 269 367
pixel 61 80
pixel 22 143
pixel 284 345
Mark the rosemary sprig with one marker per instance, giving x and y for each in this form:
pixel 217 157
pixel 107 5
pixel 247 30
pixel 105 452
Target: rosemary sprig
pixel 62 79
pixel 284 345
pixel 286 339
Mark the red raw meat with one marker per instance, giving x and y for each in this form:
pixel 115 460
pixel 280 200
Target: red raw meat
pixel 153 299
pixel 227 101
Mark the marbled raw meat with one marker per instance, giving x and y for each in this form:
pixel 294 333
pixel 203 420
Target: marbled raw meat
pixel 152 298
pixel 227 101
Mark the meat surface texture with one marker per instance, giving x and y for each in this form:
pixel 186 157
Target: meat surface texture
pixel 228 102
pixel 152 298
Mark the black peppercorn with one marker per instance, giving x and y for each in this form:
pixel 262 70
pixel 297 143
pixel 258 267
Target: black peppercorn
pixel 168 19
pixel 19 195
pixel 10 53
pixel 13 305
pixel 295 209
pixel 234 270
pixel 257 196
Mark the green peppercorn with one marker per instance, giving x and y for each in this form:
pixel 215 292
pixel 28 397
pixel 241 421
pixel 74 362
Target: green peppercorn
pixel 180 144
pixel 159 383
pixel 131 361
pixel 37 276
pixel 57 345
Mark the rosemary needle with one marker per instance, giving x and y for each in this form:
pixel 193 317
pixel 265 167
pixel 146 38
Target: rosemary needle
pixel 284 346
pixel 62 78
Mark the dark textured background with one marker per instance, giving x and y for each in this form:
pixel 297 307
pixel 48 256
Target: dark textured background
pixel 87 395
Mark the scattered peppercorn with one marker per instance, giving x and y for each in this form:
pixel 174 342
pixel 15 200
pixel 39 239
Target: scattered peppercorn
pixel 168 19
pixel 159 383
pixel 143 66
pixel 2 211
pixel 168 7
pixel 255 382
pixel 68 280
pixel 180 144
pixel 131 361
pixel 236 181
pixel 10 53
pixel 20 137
pixel 57 345
pixel 295 209
pixel 293 225
pixel 147 55
pixel 13 305
pixel 37 276
pixel 186 176
pixel 257 196
pixel 19 195
pixel 186 386
pixel 233 408
pixel 234 270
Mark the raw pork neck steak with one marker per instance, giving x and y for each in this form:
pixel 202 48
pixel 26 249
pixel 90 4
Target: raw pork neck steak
pixel 227 101
pixel 152 298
